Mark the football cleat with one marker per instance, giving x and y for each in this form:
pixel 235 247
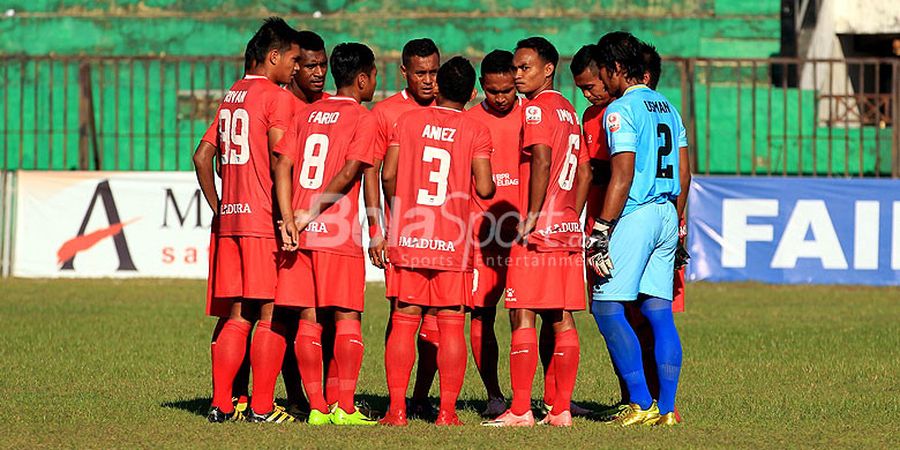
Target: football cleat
pixel 611 413
pixel 575 408
pixel 420 409
pixel 277 415
pixel 508 419
pixel 394 419
pixel 240 403
pixel 667 420
pixel 447 419
pixel 637 416
pixel 563 419
pixel 298 412
pixel 341 417
pixel 495 407
pixel 317 418
pixel 217 416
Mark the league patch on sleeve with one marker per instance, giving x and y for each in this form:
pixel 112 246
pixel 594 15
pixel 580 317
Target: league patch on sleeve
pixel 613 122
pixel 533 115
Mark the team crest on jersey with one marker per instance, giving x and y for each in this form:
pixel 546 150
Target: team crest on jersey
pixel 533 115
pixel 613 122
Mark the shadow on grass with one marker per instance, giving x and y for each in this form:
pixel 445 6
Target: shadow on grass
pixel 197 406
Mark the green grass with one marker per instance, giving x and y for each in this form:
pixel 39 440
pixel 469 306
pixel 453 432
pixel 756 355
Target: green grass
pixel 126 363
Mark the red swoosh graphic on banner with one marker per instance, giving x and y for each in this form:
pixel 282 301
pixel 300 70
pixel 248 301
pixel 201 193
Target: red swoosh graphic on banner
pixel 81 243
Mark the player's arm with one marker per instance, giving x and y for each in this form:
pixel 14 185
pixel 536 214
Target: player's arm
pixel 684 176
pixel 204 167
pixel 284 167
pixel 334 191
pixel 621 176
pixel 372 199
pixel 484 180
pixel 389 174
pixel 584 176
pixel 541 155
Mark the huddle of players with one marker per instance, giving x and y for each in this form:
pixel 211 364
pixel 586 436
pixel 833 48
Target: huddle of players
pixel 479 204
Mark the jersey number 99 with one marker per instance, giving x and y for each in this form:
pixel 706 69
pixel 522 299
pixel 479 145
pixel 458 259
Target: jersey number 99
pixel 234 129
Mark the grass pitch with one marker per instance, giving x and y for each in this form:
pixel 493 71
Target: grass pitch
pixel 126 363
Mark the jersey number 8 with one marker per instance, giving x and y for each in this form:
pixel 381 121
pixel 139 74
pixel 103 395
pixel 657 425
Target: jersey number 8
pixel 234 128
pixel 315 151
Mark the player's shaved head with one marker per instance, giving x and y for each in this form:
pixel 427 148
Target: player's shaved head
pixel 652 64
pixel 349 60
pixel 456 80
pixel 422 48
pixel 497 61
pixel 542 47
pixel 274 34
pixel 584 60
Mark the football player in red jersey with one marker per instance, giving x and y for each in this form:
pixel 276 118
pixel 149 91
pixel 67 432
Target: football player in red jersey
pixel 555 177
pixel 420 62
pixel 494 229
pixel 433 157
pixel 251 120
pixel 308 84
pixel 325 153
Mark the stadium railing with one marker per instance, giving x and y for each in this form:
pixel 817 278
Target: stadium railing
pixel 766 116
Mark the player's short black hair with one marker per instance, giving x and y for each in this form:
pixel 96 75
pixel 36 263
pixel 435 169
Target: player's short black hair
pixel 584 59
pixel 542 47
pixel 497 61
pixel 422 48
pixel 349 60
pixel 652 63
pixel 623 48
pixel 274 33
pixel 456 79
pixel 309 40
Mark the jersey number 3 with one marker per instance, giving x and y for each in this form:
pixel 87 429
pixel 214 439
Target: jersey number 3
pixel 441 158
pixel 665 134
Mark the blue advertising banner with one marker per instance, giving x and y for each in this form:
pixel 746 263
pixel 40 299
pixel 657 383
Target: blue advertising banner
pixel 794 230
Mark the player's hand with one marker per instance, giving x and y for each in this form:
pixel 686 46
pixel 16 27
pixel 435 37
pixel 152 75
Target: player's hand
pixel 596 248
pixel 289 235
pixel 378 251
pixel 302 218
pixel 525 227
pixel 681 254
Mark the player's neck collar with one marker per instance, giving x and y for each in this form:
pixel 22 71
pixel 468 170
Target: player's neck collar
pixel 636 87
pixel 545 91
pixel 444 108
pixel 254 77
pixel 340 98
pixel 404 94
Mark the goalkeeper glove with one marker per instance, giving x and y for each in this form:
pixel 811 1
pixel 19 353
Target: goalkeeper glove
pixel 596 248
pixel 681 256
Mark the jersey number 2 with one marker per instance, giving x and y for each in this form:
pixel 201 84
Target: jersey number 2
pixel 664 133
pixel 438 177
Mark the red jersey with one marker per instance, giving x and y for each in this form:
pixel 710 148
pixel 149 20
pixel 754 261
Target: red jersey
pixel 300 104
pixel 595 142
pixel 430 225
pixel 386 113
pixel 503 208
pixel 551 120
pixel 252 107
pixel 324 136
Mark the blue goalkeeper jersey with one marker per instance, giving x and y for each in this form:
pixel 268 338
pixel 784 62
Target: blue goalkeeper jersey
pixel 643 122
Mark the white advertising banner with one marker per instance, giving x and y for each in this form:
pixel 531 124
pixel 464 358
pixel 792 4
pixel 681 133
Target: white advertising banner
pixel 113 224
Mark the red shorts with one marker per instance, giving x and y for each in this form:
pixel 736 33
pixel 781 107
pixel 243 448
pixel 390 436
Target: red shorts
pixel 488 280
pixel 215 306
pixel 316 279
pixel 242 266
pixel 430 287
pixel 390 286
pixel 545 280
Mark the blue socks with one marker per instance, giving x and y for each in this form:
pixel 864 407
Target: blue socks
pixel 667 349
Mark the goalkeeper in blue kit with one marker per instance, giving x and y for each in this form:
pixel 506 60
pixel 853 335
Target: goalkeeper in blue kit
pixel 633 242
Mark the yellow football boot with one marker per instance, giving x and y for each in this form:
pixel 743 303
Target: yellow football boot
pixel 638 416
pixel 666 420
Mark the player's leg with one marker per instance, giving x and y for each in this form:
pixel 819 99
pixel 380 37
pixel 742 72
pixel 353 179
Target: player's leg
pixel 486 352
pixel 427 347
pixel 309 358
pixel 546 343
pixel 523 360
pixel 566 357
pixel 266 359
pixel 229 353
pixel 332 372
pixel 348 356
pixel 290 371
pixel 450 292
pixel 399 357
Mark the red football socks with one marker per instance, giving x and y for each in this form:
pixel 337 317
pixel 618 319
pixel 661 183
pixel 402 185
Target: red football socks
pixel 228 354
pixel 566 355
pixel 451 358
pixel 348 355
pixel 266 357
pixel 308 347
pixel 486 353
pixel 523 359
pixel 550 383
pixel 427 346
pixel 475 336
pixel 399 357
pixel 332 379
